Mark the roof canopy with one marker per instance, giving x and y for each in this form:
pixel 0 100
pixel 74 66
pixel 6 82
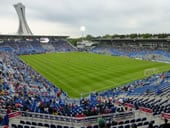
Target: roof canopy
pixel 2 36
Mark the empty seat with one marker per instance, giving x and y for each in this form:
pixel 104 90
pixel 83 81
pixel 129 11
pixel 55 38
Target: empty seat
pixel 52 126
pixel 20 126
pixel 13 125
pixel 139 124
pixel 139 119
pixel 40 124
pixel 120 126
pixel 152 121
pixel 126 122
pixel 26 126
pixel 59 126
pixel 143 119
pixel 65 127
pixel 89 126
pixel 146 123
pixel 27 122
pixel 95 126
pixel 156 126
pixel 132 121
pixel 47 125
pixel 22 122
pixel 34 123
pixel 127 126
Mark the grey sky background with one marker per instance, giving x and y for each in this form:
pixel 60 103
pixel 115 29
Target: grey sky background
pixel 100 17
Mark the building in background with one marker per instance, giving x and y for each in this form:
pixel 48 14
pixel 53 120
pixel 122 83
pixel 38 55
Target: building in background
pixel 23 26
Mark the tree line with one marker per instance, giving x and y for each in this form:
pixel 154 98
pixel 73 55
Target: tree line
pixel 119 36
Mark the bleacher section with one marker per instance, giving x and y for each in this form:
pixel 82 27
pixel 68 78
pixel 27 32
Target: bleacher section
pixel 37 103
pixel 35 46
pixel 147 54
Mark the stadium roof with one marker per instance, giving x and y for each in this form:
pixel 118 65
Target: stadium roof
pixel 5 36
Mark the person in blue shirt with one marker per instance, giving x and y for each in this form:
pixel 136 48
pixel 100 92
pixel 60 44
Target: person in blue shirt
pixel 5 121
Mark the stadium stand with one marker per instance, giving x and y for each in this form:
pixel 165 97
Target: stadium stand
pixel 35 46
pixel 31 101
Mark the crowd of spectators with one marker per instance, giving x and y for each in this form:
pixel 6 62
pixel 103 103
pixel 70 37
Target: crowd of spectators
pixel 35 46
pixel 22 88
pixel 140 53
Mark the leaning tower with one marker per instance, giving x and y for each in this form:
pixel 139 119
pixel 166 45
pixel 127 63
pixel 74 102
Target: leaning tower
pixel 23 26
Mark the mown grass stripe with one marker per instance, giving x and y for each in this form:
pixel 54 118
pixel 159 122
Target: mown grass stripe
pixel 78 73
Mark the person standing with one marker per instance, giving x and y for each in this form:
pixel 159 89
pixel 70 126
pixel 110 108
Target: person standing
pixel 101 122
pixel 5 121
pixel 166 124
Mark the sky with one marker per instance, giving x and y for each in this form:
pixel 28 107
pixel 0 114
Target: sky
pixel 99 17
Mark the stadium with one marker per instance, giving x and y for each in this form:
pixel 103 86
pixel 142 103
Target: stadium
pixel 117 82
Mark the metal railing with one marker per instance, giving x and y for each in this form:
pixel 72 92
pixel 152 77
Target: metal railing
pixel 70 121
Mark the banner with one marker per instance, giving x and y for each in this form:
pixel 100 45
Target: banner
pixel 147 110
pixel 129 105
pixel 165 116
pixel 14 114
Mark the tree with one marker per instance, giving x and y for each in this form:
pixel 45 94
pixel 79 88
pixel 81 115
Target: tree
pixel 74 41
pixel 107 36
pixel 146 35
pixel 89 37
pixel 133 35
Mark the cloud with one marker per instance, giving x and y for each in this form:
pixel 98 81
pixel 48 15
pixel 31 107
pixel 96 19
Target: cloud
pixel 98 16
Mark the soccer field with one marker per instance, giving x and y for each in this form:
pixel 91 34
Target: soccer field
pixel 79 73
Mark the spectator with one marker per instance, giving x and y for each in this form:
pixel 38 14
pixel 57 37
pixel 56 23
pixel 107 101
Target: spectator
pixel 5 121
pixel 1 119
pixel 150 125
pixel 166 124
pixel 108 123
pixel 101 122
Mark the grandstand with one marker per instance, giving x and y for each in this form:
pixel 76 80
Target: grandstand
pixel 148 49
pixel 31 101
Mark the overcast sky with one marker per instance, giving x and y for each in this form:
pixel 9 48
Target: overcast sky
pixel 100 17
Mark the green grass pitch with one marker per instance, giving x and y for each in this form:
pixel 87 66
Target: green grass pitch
pixel 80 73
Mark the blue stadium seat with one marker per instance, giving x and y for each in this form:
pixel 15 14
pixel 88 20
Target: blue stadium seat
pixel 127 126
pixel 52 126
pixel 40 124
pixel 34 123
pixel 66 127
pixel 22 122
pixel 47 125
pixel 13 125
pixel 59 126
pixel 95 126
pixel 26 126
pixel 145 123
pixel 20 126
pixel 126 122
pixel 28 122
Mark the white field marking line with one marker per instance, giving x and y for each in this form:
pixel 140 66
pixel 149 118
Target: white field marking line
pixel 111 81
pixel 125 82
